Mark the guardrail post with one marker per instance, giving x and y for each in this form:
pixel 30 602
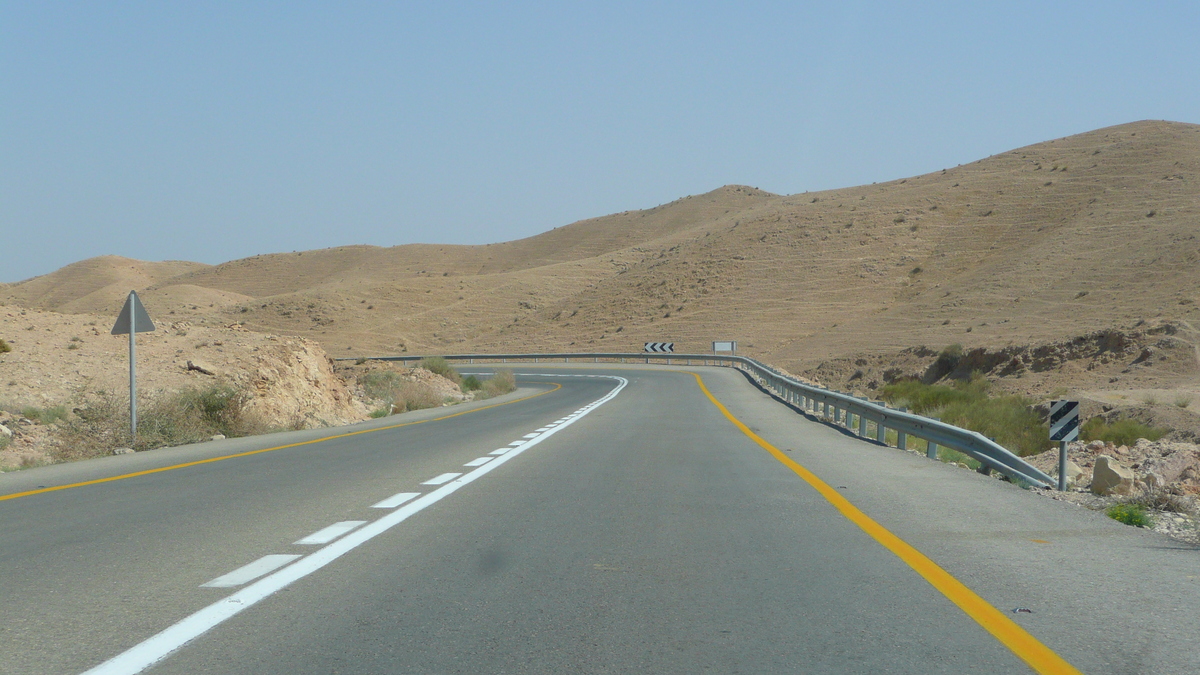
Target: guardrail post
pixel 901 440
pixel 862 426
pixel 880 432
pixel 930 449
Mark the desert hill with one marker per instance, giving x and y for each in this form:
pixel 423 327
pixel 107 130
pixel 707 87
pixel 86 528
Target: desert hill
pixel 1045 245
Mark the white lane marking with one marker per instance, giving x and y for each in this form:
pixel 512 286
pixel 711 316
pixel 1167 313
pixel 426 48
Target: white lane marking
pixel 499 451
pixel 478 462
pixel 157 647
pixel 534 435
pixel 256 569
pixel 516 443
pixel 396 500
pixel 330 533
pixel 544 429
pixel 444 478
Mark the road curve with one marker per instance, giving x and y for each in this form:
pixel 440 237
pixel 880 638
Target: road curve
pixel 580 525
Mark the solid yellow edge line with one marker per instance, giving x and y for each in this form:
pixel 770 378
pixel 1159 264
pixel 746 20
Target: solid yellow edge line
pixel 256 452
pixel 1028 648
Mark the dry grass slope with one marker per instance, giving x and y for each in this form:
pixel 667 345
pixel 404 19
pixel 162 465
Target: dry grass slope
pixel 1045 243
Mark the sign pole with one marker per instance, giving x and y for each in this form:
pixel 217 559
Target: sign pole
pixel 132 376
pixel 1062 466
pixel 133 319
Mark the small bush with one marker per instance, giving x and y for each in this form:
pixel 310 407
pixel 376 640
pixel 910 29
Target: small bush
pixel 952 456
pixel 397 393
pixel 1130 514
pixel 45 415
pixel 1119 432
pixel 1183 401
pixel 4 441
pixel 471 383
pixel 440 366
pixel 360 360
pixel 381 384
pixel 187 416
pixel 1161 500
pixel 380 412
pixel 4 347
pixel 501 383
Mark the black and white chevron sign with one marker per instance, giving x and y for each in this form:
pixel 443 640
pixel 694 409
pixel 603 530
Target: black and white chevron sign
pixel 660 347
pixel 1064 421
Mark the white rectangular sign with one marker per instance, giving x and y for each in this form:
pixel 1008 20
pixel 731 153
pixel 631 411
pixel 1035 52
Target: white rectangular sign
pixel 725 346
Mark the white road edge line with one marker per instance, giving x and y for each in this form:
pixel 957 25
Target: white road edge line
pixel 245 573
pixel 158 647
pixel 442 479
pixel 328 534
pixel 395 500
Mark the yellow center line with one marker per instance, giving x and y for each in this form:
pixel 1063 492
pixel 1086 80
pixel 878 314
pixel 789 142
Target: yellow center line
pixel 1028 648
pixel 147 472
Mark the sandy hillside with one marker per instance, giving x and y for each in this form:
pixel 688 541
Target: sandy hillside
pixel 1071 264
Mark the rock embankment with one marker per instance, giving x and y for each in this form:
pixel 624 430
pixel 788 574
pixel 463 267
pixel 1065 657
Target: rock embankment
pixel 1162 476
pixel 61 364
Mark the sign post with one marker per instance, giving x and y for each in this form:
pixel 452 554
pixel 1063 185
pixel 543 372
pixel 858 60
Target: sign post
pixel 1064 428
pixel 132 320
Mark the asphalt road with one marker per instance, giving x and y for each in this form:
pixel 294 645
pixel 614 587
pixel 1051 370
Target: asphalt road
pixel 646 533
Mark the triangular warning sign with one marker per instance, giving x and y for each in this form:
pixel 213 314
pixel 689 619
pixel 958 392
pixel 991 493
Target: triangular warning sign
pixel 141 320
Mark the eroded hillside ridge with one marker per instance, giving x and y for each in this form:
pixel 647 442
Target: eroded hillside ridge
pixel 1005 256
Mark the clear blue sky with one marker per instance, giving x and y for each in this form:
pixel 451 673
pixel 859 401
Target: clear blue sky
pixel 215 131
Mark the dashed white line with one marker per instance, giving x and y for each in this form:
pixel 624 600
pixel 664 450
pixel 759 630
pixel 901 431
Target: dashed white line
pixel 157 647
pixel 516 443
pixel 256 569
pixel 533 435
pixel 395 500
pixel 478 462
pixel 444 478
pixel 499 451
pixel 330 533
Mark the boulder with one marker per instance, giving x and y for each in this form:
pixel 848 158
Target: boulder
pixel 123 451
pixel 5 431
pixel 1152 480
pixel 1109 477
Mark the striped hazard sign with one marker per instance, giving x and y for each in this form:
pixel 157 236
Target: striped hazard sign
pixel 1064 420
pixel 659 347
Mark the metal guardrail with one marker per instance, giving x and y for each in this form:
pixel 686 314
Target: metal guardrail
pixel 867 419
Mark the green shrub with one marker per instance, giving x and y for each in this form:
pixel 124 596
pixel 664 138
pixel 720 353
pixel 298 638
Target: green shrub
pixel 1183 401
pixel 1007 419
pixel 440 366
pixel 381 384
pixel 1119 432
pixel 380 412
pixel 470 383
pixel 183 417
pixel 502 382
pixel 397 393
pixel 4 441
pixel 1130 514
pixel 952 456
pixel 4 347
pixel 45 415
